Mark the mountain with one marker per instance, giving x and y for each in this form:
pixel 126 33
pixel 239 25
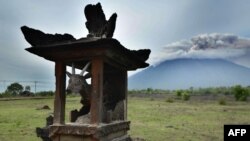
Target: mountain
pixel 186 73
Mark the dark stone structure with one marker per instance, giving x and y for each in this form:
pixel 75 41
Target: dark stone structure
pixel 44 132
pixel 38 38
pixel 97 24
pixel 110 62
pixel 142 54
pixel 105 118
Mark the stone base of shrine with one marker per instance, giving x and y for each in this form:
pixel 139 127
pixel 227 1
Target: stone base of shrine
pixel 115 131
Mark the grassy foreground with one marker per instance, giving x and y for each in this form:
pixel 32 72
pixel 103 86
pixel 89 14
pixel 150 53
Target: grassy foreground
pixel 151 119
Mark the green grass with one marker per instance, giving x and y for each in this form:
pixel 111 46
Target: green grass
pixel 153 120
pixel 19 118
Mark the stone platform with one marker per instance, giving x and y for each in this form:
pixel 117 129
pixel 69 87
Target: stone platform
pixel 115 131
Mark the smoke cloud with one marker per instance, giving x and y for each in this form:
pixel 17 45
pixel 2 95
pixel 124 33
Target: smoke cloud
pixel 222 46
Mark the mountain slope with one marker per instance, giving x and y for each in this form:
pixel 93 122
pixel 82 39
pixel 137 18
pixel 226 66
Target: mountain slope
pixel 185 73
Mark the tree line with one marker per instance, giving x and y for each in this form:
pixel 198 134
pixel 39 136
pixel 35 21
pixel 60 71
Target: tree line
pixel 240 93
pixel 15 89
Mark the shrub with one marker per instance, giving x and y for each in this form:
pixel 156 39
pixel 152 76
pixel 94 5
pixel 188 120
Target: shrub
pixel 227 92
pixel 6 94
pixel 178 93
pixel 149 91
pixel 45 93
pixel 170 100
pixel 185 96
pixel 222 101
pixel 26 93
pixel 240 93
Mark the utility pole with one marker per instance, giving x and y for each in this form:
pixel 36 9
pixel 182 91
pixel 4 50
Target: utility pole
pixel 4 84
pixel 35 86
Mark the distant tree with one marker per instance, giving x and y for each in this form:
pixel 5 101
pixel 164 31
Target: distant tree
pixel 185 95
pixel 240 93
pixel 149 91
pixel 14 88
pixel 26 92
pixel 178 93
pixel 27 88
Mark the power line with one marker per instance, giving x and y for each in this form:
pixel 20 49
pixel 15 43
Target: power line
pixel 35 83
pixel 22 81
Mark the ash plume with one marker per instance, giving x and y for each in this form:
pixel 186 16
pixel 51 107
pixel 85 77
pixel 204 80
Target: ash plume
pixel 212 46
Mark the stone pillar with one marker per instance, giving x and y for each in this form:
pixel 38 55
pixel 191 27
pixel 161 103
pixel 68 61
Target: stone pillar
pixel 97 91
pixel 59 102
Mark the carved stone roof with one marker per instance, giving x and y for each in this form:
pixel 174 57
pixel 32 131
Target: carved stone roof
pixel 83 50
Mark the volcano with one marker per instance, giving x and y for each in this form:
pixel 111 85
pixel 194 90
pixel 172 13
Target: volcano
pixel 186 73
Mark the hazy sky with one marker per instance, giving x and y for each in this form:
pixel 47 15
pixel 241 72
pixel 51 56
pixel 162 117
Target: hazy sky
pixel 140 24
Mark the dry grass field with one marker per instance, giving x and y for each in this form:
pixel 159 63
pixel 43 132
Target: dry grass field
pixel 154 119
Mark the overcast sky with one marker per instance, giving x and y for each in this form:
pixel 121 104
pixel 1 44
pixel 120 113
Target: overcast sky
pixel 157 25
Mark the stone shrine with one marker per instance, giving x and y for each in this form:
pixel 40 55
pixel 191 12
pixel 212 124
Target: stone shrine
pixel 106 62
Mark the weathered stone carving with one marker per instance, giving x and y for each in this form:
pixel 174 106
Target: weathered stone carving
pixel 112 115
pixel 38 38
pixel 84 119
pixel 97 24
pixel 118 112
pixel 113 103
pixel 78 84
pixel 44 132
